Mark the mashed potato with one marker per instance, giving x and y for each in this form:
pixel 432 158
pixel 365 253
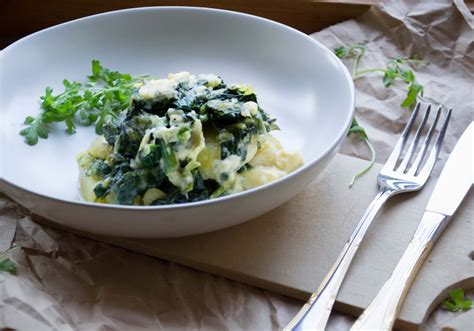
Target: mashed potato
pixel 185 138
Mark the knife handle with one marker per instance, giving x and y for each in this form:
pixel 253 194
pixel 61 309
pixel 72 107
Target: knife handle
pixel 383 310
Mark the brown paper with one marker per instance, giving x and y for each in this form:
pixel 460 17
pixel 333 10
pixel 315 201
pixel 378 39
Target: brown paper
pixel 66 282
pixel 436 31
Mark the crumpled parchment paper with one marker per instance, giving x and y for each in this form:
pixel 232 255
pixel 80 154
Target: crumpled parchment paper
pixel 439 32
pixel 66 282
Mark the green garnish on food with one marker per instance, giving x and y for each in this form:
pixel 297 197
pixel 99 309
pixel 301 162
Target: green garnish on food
pixel 105 93
pixel 394 71
pixel 456 301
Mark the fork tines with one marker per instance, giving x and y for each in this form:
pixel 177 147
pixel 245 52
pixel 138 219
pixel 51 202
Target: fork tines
pixel 404 163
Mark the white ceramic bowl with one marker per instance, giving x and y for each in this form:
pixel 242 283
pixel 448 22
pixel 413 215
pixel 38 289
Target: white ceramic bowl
pixel 298 81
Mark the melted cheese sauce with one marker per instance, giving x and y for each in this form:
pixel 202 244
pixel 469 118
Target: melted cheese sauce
pixel 264 160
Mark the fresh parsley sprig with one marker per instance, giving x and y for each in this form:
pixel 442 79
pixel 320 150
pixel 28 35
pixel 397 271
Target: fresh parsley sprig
pixel 105 93
pixel 6 264
pixel 395 70
pixel 357 129
pixel 457 301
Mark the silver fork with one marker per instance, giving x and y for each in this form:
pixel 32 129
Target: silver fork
pixel 399 175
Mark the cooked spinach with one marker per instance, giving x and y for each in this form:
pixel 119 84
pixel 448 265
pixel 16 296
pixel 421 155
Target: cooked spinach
pixel 99 168
pixel 234 142
pixel 167 156
pixel 129 139
pixel 202 190
pixel 150 156
pixel 127 186
pixel 155 137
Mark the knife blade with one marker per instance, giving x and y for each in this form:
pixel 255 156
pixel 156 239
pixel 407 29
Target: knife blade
pixel 453 184
pixel 456 177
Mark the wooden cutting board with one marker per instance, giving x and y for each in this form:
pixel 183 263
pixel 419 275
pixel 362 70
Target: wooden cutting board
pixel 290 249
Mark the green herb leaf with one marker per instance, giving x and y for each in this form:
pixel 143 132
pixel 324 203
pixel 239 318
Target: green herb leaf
pixel 341 52
pixel 457 301
pixel 37 128
pixel 106 93
pixel 357 129
pixel 71 128
pixel 407 76
pixel 96 68
pixel 413 90
pixel 7 265
pixel 389 77
pixel 394 70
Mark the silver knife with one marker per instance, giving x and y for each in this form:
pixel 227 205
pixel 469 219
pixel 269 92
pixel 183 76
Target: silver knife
pixel 454 182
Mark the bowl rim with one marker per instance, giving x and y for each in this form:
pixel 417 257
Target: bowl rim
pixel 305 167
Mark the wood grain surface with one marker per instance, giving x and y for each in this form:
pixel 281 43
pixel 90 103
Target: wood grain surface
pixel 20 18
pixel 290 249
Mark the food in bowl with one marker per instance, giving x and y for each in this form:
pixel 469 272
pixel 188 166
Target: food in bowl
pixel 184 138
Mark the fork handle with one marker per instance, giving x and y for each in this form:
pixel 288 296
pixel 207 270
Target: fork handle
pixel 315 313
pixel 383 310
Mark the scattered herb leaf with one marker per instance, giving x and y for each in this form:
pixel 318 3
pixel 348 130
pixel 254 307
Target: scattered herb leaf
pixel 357 129
pixel 413 90
pixel 457 301
pixel 37 128
pixel 6 264
pixel 394 70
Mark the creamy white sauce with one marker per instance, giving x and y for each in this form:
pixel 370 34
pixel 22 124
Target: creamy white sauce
pixel 267 158
pixel 158 89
